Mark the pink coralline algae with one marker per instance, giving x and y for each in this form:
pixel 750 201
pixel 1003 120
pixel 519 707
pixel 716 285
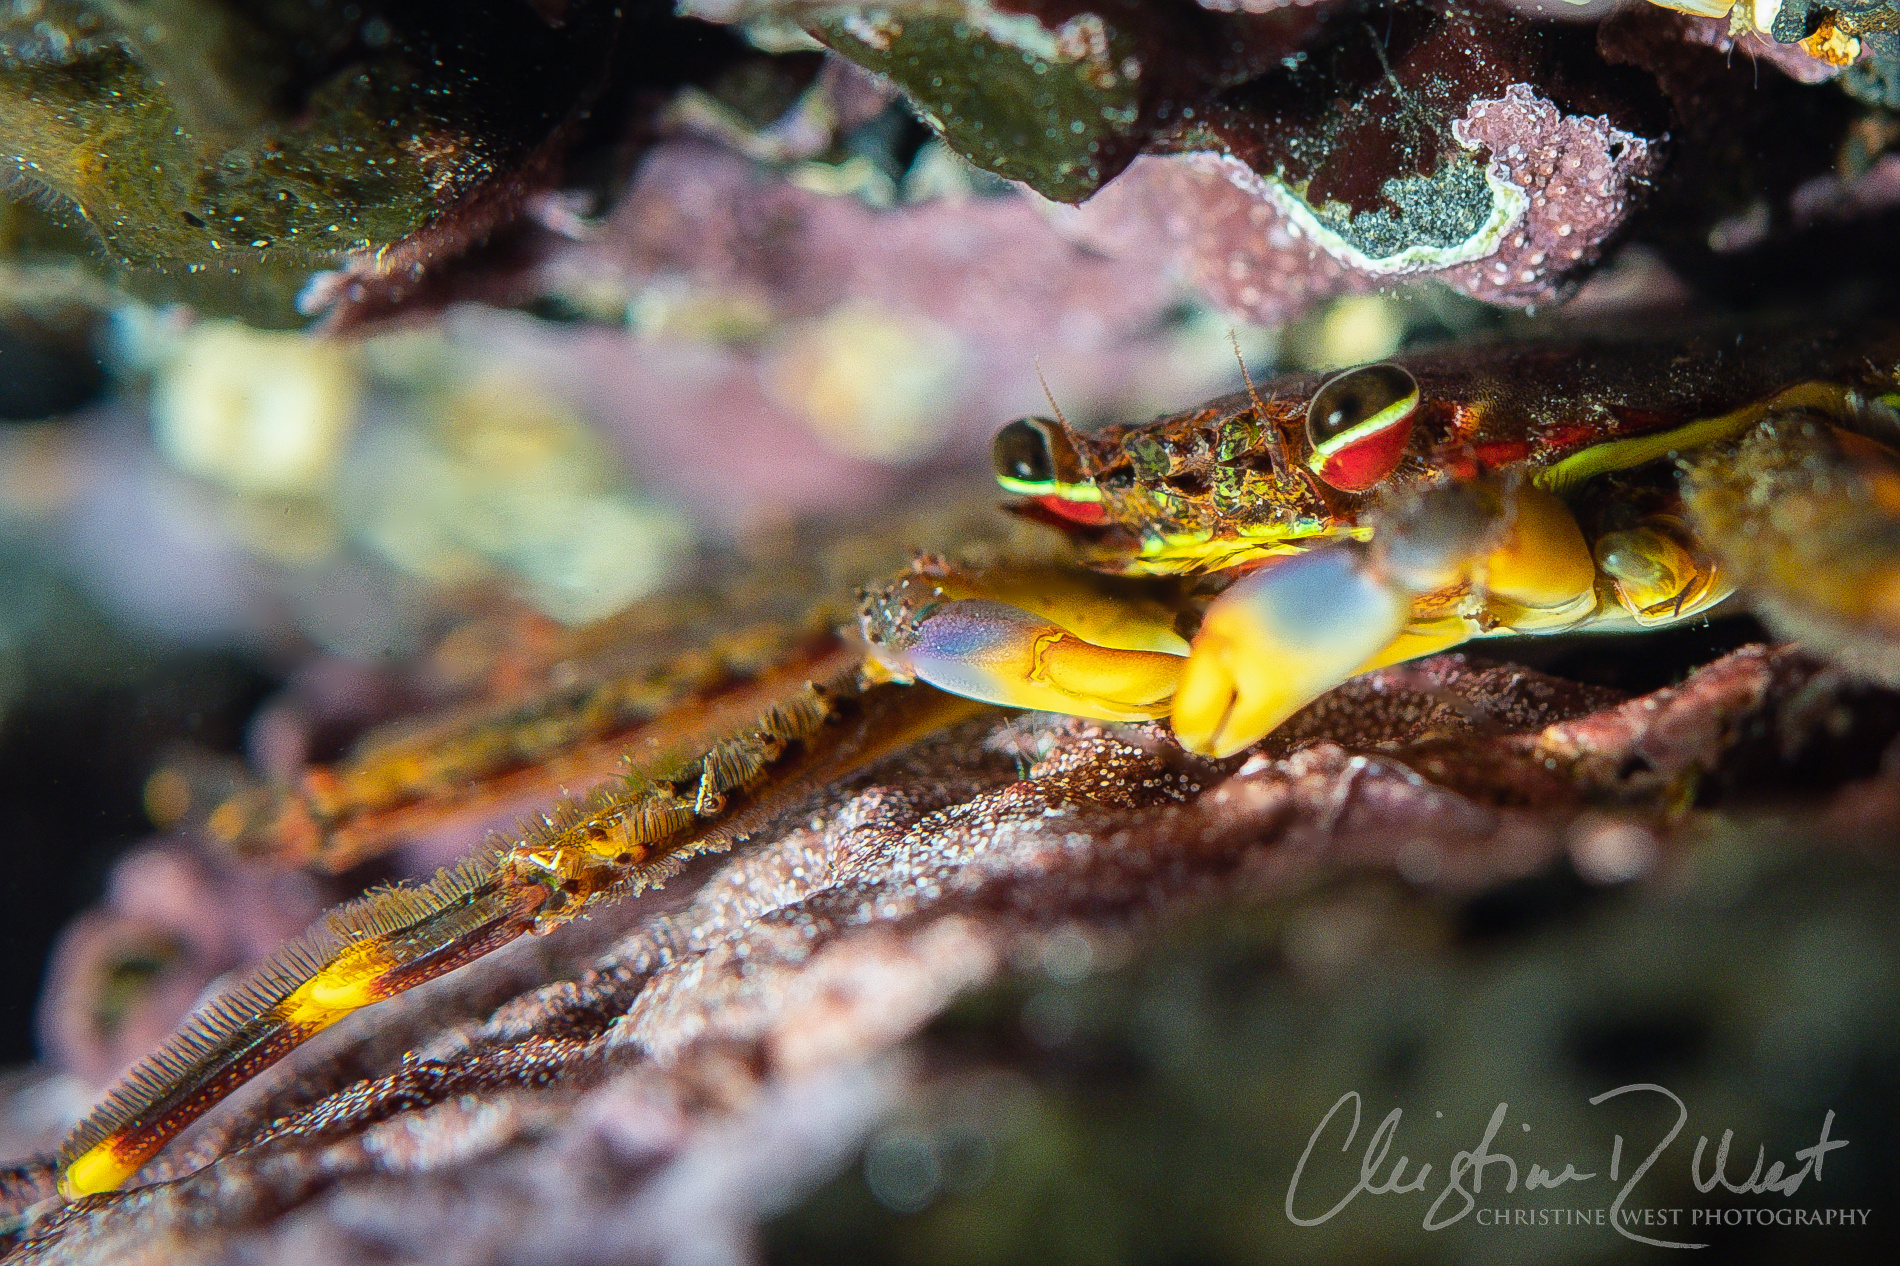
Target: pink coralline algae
pixel 1236 249
pixel 1580 177
pixel 1227 232
pixel 789 346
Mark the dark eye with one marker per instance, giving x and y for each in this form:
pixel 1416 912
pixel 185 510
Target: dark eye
pixel 1358 425
pixel 1348 401
pixel 1021 454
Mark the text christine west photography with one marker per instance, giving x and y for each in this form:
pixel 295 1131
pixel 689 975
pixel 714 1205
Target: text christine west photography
pixel 1614 1187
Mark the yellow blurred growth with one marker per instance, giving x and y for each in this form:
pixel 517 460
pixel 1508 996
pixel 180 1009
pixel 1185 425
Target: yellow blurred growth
pixel 257 412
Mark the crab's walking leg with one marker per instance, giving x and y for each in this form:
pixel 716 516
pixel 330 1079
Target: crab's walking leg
pixel 627 835
pixel 371 949
pixel 1454 561
pixel 1804 518
pixel 401 781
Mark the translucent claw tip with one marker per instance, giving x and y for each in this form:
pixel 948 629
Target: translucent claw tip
pixel 1278 640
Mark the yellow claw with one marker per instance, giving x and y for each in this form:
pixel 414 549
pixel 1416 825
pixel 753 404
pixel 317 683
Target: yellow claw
pixel 1279 639
pixel 988 650
pixel 1543 563
pixel 1284 636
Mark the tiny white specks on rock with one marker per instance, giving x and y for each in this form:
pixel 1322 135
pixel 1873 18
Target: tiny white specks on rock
pixel 1521 124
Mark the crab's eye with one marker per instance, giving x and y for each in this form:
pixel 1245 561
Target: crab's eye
pixel 1358 424
pixel 1034 458
pixel 1022 457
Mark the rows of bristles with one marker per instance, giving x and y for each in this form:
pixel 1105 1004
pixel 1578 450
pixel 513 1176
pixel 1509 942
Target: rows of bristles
pixel 644 825
pixel 230 1022
pixel 656 819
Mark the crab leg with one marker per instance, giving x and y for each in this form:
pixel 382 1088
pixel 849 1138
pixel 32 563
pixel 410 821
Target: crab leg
pixel 1804 518
pixel 364 952
pixel 632 833
pixel 402 782
pixel 1454 562
pixel 992 651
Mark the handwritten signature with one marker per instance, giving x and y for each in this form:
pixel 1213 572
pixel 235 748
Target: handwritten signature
pixel 1379 1175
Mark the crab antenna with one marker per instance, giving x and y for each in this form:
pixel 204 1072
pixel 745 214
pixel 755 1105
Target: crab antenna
pixel 1282 459
pixel 1050 396
pixel 1084 462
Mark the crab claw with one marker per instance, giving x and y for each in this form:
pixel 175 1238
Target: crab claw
pixel 1279 639
pixel 989 650
pixel 1658 574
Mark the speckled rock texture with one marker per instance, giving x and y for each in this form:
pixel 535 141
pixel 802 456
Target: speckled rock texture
pixel 656 1084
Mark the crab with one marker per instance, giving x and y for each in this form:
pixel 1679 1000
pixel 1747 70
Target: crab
pixel 1226 566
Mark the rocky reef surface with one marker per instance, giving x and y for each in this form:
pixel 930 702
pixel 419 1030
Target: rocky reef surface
pixel 312 158
pixel 1047 990
pixel 359 362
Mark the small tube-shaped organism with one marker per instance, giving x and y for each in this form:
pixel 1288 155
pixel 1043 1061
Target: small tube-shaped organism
pixel 630 834
pixel 371 949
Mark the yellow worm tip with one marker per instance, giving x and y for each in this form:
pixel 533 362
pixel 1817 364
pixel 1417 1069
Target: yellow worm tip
pixel 98 1169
